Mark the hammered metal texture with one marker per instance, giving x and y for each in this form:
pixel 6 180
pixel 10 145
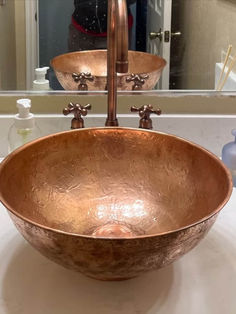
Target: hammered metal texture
pixel 95 62
pixel 113 202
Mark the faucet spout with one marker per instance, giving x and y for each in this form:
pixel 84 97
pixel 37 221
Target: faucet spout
pixel 117 53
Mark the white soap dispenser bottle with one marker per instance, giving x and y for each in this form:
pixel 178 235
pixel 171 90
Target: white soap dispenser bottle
pixel 24 128
pixel 40 82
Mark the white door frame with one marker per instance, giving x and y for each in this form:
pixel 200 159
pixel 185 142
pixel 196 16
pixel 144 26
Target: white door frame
pixel 32 40
pixel 166 46
pixel 159 21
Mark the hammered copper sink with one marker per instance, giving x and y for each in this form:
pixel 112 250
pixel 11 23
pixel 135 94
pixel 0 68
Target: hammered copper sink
pixel 146 67
pixel 113 203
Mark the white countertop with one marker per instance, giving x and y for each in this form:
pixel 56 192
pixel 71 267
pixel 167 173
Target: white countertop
pixel 201 282
pixel 210 131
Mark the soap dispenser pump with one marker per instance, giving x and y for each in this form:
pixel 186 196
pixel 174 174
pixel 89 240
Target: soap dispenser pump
pixel 229 156
pixel 24 128
pixel 40 82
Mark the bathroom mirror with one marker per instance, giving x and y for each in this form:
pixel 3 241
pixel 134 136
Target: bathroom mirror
pixel 193 36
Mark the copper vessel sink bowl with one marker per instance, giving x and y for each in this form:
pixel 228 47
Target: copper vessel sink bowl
pixel 87 70
pixel 113 203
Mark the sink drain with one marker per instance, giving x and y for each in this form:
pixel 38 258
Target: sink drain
pixel 113 230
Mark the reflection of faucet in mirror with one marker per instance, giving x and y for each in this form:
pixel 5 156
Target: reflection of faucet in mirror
pixel 117 62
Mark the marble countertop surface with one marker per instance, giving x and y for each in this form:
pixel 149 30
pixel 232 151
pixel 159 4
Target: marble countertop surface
pixel 203 281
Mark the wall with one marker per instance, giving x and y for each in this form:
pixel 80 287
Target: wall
pixel 169 103
pixel 208 27
pixel 20 44
pixel 7 46
pixel 12 45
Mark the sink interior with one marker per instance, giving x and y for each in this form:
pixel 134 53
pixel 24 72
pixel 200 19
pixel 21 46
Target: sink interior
pixel 114 182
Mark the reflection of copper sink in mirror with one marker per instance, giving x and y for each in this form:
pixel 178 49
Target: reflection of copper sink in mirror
pixel 87 70
pixel 113 203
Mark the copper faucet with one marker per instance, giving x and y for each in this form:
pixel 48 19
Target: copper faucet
pixel 117 62
pixel 117 53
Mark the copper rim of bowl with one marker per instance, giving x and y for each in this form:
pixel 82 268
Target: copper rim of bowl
pixel 52 61
pixel 216 211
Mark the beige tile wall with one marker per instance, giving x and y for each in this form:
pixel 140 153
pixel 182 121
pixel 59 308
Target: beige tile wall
pixel 7 46
pixel 12 45
pixel 20 44
pixel 169 103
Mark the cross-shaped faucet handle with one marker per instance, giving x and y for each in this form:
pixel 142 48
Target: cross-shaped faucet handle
pixel 82 79
pixel 138 79
pixel 144 112
pixel 78 111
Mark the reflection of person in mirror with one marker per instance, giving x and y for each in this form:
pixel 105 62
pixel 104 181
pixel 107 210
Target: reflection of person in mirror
pixel 88 28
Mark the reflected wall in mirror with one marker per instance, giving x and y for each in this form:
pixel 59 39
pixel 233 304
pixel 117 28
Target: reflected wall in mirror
pixel 191 35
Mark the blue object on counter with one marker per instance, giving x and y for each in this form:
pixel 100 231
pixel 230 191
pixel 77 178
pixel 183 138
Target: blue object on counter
pixel 229 156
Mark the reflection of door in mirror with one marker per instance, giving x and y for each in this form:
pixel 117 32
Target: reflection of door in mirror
pixel 158 34
pixel 54 21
